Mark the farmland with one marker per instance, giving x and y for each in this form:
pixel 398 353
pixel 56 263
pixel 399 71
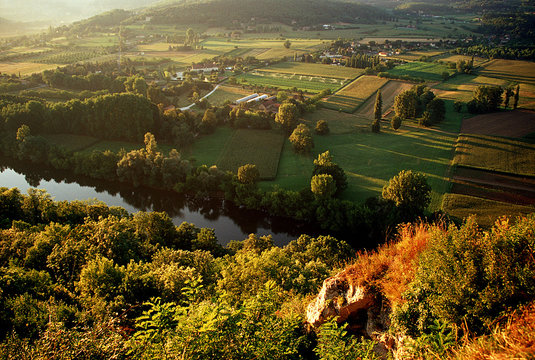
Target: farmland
pixel 511 70
pixel 259 147
pixel 355 94
pixel 514 124
pixel 486 211
pixel 24 68
pixel 286 81
pixel 462 86
pixel 495 154
pixel 424 70
pixel 227 93
pixel 319 70
pixel 388 94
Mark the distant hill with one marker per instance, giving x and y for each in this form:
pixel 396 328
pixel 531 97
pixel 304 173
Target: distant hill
pixel 225 12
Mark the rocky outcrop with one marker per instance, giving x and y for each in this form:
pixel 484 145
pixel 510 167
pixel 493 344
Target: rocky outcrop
pixel 360 307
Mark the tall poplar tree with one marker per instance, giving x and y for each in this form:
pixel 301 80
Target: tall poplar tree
pixel 517 97
pixel 378 109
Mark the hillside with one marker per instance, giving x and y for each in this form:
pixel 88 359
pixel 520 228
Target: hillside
pixel 299 12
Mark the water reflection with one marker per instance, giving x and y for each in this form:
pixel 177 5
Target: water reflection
pixel 229 221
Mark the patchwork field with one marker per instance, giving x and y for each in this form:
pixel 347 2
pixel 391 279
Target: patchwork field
pixel 355 94
pixel 25 68
pixel 426 70
pixel 319 70
pixel 462 86
pixel 370 160
pixel 462 206
pixel 495 154
pixel 512 70
pixel 259 147
pixel 388 94
pixel 311 84
pixel 454 58
pixel 339 122
pixel 515 124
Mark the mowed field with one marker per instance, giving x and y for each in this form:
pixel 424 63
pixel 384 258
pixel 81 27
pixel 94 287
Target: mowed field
pixel 388 94
pixel 462 86
pixel 485 211
pixel 25 68
pixel 425 70
pixel 370 159
pixel 355 94
pixel 259 147
pixel 495 154
pixel 511 70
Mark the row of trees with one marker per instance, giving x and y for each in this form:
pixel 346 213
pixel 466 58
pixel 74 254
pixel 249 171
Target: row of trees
pixel 419 102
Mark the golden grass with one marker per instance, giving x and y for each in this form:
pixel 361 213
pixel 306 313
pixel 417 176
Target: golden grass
pixel 355 94
pixel 392 266
pixel 515 339
pixel 512 70
pixel 25 68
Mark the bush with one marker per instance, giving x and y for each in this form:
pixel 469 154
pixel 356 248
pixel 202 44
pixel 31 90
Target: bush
pixel 409 191
pixel 301 139
pixel 458 106
pixel 248 174
pixel 376 126
pixel 322 128
pixel 470 277
pixel 396 122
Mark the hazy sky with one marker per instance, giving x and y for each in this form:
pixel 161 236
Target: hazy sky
pixel 62 10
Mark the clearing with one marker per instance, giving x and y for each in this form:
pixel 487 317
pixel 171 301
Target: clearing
pixel 259 147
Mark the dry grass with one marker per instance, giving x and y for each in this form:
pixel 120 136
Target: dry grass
pixel 25 68
pixel 514 340
pixel 393 266
pixel 355 94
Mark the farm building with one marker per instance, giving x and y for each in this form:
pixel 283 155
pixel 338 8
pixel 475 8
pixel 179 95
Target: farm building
pixel 205 67
pixel 246 98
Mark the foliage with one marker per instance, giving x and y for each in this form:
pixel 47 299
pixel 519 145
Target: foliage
pixel 287 117
pixel 323 186
pixel 486 99
pixel 471 277
pixel 301 139
pixel 248 174
pixel 396 122
pixel 322 128
pixel 335 343
pixel 409 191
pixel 324 165
pixel 378 107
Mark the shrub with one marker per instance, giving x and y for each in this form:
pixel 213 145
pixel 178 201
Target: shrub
pixel 248 174
pixel 396 122
pixel 322 128
pixel 301 139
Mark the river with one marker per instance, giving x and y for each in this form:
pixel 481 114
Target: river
pixel 229 221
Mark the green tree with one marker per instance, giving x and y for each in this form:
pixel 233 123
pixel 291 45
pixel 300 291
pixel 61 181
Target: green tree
pixel 209 121
pixel 287 44
pixel 405 104
pixel 458 106
pixel 23 132
pixel 322 128
pixel 516 97
pixel 508 93
pixel 409 191
pixel 323 186
pixel 287 117
pixel 301 139
pixel 396 122
pixel 324 165
pixel 378 108
pixel 248 174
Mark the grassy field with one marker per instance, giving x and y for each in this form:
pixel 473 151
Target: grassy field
pixel 320 70
pixel 425 70
pixel 259 147
pixel 355 94
pixel 71 142
pixel 339 122
pixel 286 81
pixel 462 86
pixel 227 93
pixel 495 153
pixel 485 211
pixel 25 68
pixel 454 58
pixel 511 70
pixel 370 160
pixel 207 149
pixel 415 55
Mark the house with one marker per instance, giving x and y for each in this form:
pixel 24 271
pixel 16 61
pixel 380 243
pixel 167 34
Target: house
pixel 383 53
pixel 205 67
